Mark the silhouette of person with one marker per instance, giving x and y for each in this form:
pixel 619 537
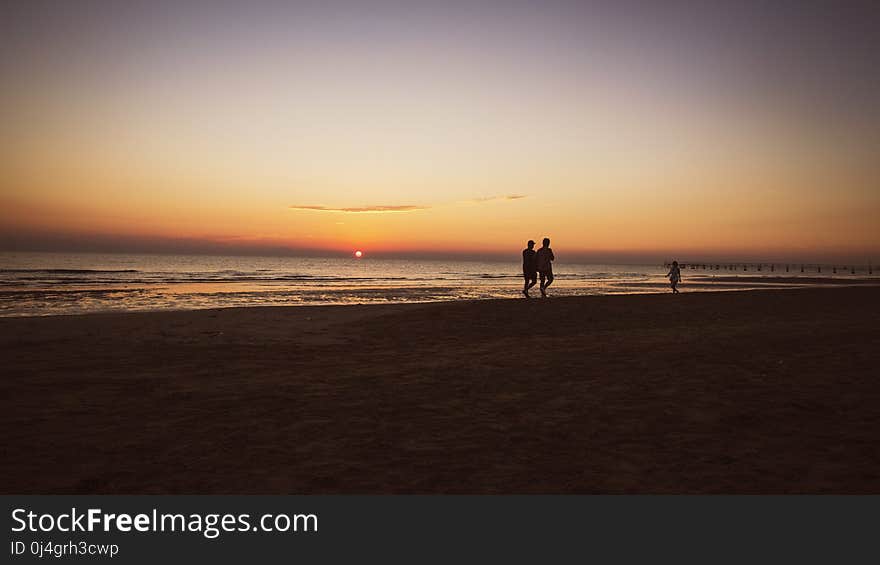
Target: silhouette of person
pixel 674 275
pixel 530 267
pixel 544 258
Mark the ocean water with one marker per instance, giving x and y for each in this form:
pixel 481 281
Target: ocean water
pixel 37 284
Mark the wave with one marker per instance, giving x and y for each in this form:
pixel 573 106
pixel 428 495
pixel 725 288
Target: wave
pixel 67 277
pixel 69 271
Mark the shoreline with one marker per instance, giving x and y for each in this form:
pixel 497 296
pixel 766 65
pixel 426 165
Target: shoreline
pixel 709 284
pixel 768 391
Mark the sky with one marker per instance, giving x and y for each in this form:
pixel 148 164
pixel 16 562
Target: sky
pixel 622 130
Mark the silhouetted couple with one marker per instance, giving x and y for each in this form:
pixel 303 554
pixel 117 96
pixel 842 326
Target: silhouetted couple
pixel 536 263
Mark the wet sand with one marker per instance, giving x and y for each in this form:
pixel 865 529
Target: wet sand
pixel 787 280
pixel 771 391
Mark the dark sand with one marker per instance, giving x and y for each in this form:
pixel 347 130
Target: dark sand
pixel 770 391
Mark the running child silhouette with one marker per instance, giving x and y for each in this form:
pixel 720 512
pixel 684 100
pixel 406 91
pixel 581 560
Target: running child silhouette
pixel 674 275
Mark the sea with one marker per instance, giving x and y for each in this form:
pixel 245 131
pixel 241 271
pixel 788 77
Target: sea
pixel 43 284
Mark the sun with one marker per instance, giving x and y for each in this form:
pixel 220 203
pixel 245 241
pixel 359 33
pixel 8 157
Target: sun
pixel 358 253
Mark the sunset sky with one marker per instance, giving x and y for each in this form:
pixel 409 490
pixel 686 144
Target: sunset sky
pixel 620 129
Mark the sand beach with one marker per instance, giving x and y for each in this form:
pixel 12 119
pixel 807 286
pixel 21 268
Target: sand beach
pixel 767 391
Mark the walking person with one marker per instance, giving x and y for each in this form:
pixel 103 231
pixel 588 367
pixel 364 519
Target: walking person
pixel 530 267
pixel 544 258
pixel 674 275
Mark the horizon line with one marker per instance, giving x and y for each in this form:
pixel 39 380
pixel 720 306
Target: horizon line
pixel 617 257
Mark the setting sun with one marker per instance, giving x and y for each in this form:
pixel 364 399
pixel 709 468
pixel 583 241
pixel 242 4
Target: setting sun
pixel 359 254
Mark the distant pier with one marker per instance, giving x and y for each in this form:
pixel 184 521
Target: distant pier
pixel 805 268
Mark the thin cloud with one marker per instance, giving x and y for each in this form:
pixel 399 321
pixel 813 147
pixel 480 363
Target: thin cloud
pixel 398 208
pixel 494 198
pixel 359 209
